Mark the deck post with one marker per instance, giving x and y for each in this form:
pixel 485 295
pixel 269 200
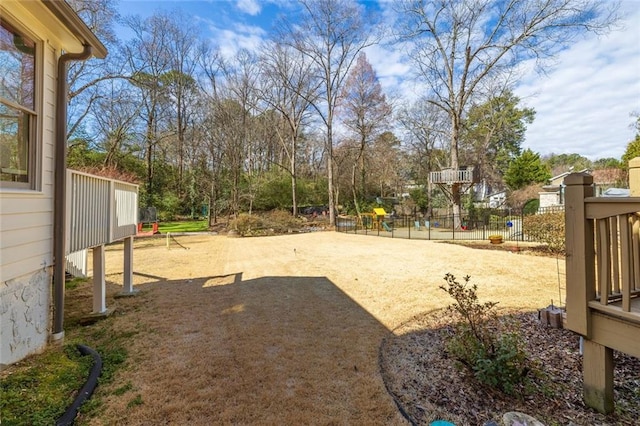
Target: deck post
pixel 634 176
pixel 99 286
pixel 127 286
pixel 580 254
pixel 597 370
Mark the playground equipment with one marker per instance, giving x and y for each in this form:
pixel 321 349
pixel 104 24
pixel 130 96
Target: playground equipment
pixel 147 216
pixel 374 220
pixel 367 221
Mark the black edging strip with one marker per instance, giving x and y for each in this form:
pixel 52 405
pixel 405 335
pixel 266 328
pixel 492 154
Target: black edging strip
pixel 85 392
pixel 393 396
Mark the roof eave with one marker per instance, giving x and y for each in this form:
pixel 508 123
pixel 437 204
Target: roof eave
pixel 71 20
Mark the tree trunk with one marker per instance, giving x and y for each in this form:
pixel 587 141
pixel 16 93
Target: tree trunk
pixel 149 195
pixel 455 188
pixel 294 200
pixel 362 168
pixel 332 204
pixel 353 187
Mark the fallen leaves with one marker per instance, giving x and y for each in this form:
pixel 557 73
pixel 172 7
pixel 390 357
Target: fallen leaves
pixel 428 384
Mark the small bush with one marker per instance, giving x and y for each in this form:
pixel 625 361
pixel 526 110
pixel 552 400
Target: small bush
pixel 281 221
pixel 547 228
pixel 246 224
pixel 493 350
pixel 271 223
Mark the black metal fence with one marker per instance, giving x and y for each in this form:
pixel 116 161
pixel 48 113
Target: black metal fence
pixel 449 227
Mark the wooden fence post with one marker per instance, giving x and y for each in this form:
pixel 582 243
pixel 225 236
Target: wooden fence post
pixel 597 363
pixel 579 253
pixel 597 374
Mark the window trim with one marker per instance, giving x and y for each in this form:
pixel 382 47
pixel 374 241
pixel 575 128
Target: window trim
pixel 36 143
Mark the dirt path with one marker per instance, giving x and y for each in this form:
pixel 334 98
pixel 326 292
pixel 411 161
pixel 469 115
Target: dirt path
pixel 286 330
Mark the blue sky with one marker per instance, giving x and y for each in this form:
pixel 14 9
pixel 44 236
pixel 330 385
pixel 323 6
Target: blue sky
pixel 583 104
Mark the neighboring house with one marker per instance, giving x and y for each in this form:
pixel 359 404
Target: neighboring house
pixel 497 200
pixel 37 40
pixel 604 179
pixel 552 194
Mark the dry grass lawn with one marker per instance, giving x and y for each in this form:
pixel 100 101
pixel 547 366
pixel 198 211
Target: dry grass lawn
pixel 286 329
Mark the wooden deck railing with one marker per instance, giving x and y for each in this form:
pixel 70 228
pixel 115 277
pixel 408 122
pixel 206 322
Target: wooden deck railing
pixel 453 176
pixel 603 254
pixel 100 210
pixel 603 281
pixel 617 233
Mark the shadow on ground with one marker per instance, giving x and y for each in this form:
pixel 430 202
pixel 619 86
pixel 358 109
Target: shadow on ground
pixel 271 350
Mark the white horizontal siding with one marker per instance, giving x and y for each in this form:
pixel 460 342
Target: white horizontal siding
pixel 48 120
pixel 25 204
pixel 18 237
pixel 26 257
pixel 26 217
pixel 21 222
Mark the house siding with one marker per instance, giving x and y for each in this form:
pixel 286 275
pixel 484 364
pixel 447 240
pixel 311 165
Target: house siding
pixel 26 216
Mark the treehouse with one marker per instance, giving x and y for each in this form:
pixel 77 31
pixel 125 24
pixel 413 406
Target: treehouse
pixel 446 179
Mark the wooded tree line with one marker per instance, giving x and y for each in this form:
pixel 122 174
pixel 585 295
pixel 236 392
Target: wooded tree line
pixel 304 120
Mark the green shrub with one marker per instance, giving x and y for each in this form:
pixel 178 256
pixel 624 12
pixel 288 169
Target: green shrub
pixel 547 228
pixel 491 348
pixel 168 207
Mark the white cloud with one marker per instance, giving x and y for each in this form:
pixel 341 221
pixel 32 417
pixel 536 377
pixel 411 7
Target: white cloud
pixel 583 105
pixel 251 7
pixel 231 40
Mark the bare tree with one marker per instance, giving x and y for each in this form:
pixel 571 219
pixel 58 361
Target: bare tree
pixel 365 112
pixel 330 33
pixel 181 84
pixel 238 110
pixel 425 128
pixel 115 119
pixel 390 166
pixel 149 59
pixel 85 76
pixel 460 45
pixel 288 86
pixel 211 66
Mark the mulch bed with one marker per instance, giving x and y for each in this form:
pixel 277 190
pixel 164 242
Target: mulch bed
pixel 427 384
pixel 509 246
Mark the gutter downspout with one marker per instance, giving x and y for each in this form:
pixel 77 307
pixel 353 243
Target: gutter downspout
pixel 60 204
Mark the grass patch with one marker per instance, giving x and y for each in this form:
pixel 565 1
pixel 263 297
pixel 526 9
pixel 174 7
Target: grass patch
pixel 74 283
pixel 184 226
pixel 38 390
pixel 41 390
pixel 123 389
pixel 135 401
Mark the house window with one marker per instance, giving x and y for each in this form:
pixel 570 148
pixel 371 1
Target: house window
pixel 17 108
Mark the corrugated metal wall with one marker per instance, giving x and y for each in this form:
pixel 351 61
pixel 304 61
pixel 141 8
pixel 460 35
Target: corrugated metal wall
pixel 100 210
pixel 77 263
pixel 125 211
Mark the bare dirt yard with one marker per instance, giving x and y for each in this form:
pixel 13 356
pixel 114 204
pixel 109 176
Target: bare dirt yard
pixel 288 329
